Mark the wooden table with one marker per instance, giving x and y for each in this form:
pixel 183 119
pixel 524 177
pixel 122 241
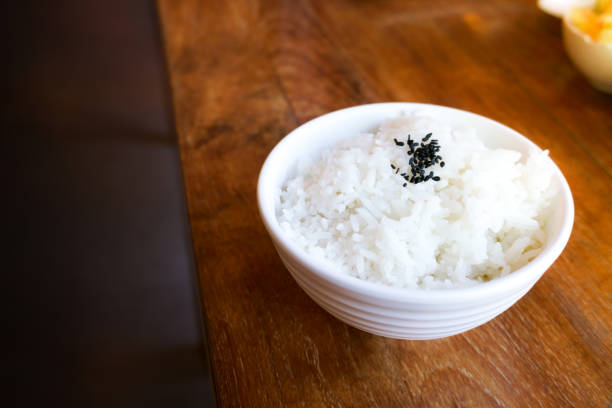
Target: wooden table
pixel 244 73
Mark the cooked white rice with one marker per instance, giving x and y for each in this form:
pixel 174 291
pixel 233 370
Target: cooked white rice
pixel 485 217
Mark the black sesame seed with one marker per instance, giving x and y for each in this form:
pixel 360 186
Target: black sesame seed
pixel 422 156
pixel 404 185
pixel 436 178
pixel 442 164
pixel 392 166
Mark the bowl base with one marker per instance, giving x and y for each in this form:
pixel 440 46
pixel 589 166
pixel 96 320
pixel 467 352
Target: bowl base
pixel 602 86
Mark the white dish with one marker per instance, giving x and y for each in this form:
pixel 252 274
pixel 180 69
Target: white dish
pixel 593 59
pixel 383 310
pixel 558 8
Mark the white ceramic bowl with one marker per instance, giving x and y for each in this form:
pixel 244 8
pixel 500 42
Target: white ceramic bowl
pixel 383 310
pixel 593 59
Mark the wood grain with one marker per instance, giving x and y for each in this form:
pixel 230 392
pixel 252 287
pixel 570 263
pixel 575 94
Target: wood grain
pixel 244 73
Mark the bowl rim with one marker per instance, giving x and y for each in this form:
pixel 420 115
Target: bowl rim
pixel 528 274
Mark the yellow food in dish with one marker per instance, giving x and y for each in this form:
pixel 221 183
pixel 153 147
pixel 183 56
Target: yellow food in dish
pixel 595 22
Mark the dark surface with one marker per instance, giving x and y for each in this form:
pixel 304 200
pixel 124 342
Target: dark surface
pixel 106 291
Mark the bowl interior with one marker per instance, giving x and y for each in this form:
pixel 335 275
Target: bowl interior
pixel 313 137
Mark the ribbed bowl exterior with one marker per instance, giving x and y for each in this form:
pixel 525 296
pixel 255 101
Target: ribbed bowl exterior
pixel 401 320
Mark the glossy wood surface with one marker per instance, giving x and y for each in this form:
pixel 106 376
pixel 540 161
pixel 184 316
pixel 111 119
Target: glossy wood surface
pixel 245 73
